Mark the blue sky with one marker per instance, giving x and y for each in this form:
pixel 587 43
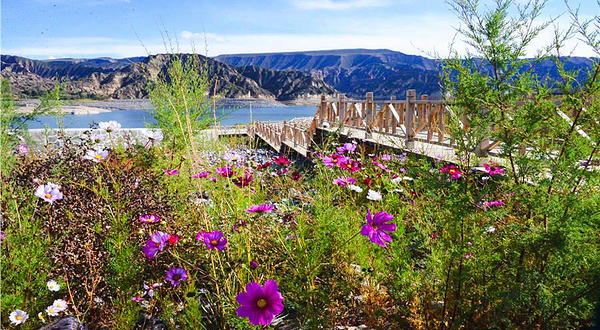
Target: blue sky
pixel 122 28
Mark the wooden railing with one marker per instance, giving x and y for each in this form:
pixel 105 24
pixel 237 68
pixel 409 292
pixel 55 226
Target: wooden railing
pixel 412 119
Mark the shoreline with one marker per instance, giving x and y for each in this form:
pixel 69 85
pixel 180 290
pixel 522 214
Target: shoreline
pixel 89 107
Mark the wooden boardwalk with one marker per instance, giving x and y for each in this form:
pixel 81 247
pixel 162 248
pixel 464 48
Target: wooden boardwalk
pixel 416 125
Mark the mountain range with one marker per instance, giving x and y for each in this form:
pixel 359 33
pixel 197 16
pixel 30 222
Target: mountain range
pixel 291 76
pixel 381 71
pixel 107 78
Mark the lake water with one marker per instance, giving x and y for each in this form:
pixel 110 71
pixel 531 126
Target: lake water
pixel 138 118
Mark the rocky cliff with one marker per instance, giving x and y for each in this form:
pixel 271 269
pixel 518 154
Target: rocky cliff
pixel 106 78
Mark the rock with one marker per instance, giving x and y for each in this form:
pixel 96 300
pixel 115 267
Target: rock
pixel 147 322
pixel 66 323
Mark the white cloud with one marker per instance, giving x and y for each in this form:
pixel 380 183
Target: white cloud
pixel 340 5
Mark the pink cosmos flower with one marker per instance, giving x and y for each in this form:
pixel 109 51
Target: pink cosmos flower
pixel 224 171
pixel 493 169
pixel 378 227
pixel 201 175
pixel 468 255
pixel 151 218
pixel 281 160
pixel 382 166
pixel 334 160
pixel 454 172
pixel 347 147
pixel 22 149
pixel 213 179
pixel 157 242
pixel 351 166
pixel 265 165
pixel 176 275
pixel 493 203
pixel 50 192
pixel 213 240
pixel 386 157
pixel 243 181
pixel 262 208
pixel 344 181
pixel 260 304
pixel 173 239
pixel 171 171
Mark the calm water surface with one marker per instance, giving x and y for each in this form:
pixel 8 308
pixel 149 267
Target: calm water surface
pixel 138 118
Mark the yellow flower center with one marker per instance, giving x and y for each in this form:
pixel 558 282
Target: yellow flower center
pixel 261 303
pixel 19 317
pixel 48 196
pixel 334 161
pixel 452 171
pixel 98 156
pixel 214 242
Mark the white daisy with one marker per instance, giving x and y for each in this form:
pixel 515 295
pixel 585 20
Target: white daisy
pixel 109 126
pixel 355 188
pixel 374 195
pixel 53 285
pixel 18 317
pixel 96 155
pixel 52 311
pixel 60 305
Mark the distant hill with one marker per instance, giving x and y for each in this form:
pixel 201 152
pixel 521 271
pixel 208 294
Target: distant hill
pixel 381 71
pixel 126 78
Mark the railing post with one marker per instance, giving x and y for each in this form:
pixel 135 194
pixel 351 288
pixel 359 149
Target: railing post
pixel 323 108
pixel 411 97
pixel 368 115
pixel 393 123
pixel 341 108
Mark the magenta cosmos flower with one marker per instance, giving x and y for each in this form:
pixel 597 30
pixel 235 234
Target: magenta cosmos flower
pixel 454 172
pixel 213 240
pixel 171 171
pixel 50 192
pixel 493 169
pixel 377 228
pixel 224 171
pixel 347 147
pixel 176 275
pixel 260 304
pixel 156 243
pixel 243 181
pixel 201 174
pixel 262 208
pixel 150 218
pixel 344 181
pixel 281 160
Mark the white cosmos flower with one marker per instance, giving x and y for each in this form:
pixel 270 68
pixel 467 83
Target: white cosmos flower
pixel 53 285
pixel 109 126
pixel 402 178
pixel 52 311
pixel 154 135
pixel 96 155
pixel 60 305
pixel 374 195
pixel 18 317
pixel 41 317
pixel 355 188
pixel 490 229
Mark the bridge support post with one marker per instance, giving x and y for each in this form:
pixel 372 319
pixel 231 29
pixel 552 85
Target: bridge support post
pixel 369 115
pixel 322 110
pixel 411 98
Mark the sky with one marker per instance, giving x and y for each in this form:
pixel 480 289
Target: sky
pixel 46 29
